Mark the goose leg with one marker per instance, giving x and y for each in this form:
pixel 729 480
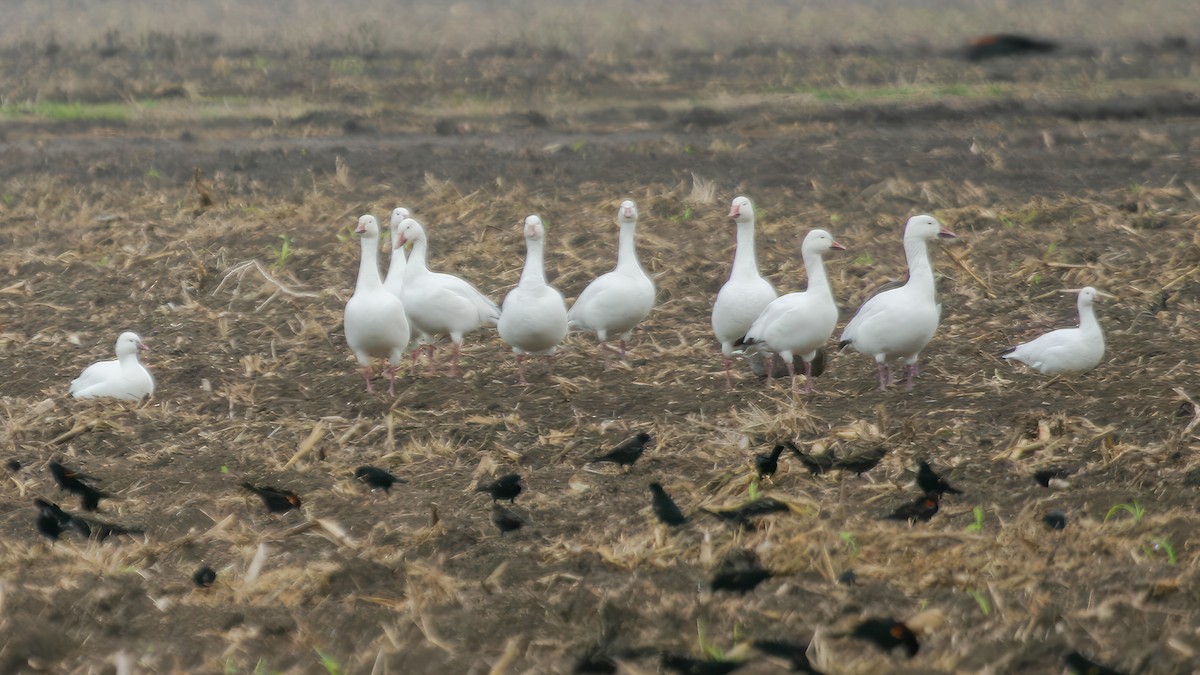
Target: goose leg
pixel 366 371
pixel 791 371
pixel 728 373
pixel 808 378
pixel 521 370
pixel 454 359
pixel 910 370
pixel 885 374
pixel 551 359
pixel 429 358
pixel 391 375
pixel 622 350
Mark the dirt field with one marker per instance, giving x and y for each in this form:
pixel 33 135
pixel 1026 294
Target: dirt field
pixel 1080 168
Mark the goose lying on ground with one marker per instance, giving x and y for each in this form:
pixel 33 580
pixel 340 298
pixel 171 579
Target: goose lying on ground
pixel 374 322
pixel 124 378
pixel 1066 350
pixel 897 324
pixel 746 294
pixel 533 319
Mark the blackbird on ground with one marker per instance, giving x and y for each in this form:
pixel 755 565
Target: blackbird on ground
pixel 72 481
pixel 689 666
pixel 628 452
pixel 505 520
pixel 507 487
pixel 741 516
pixel 52 521
pixel 1055 520
pixel 887 634
pixel 13 465
pixel 595 662
pixel 664 507
pixel 275 499
pixel 816 464
pixel 1006 44
pixel 796 653
pixel 204 577
pixel 739 581
pixel 1044 476
pixel 922 509
pixel 1082 665
pixel 930 482
pixel 767 465
pixel 377 478
pixel 862 462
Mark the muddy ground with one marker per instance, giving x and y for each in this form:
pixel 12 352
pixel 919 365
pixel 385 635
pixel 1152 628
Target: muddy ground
pixel 1075 169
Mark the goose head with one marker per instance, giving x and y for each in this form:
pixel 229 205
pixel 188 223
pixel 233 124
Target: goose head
pixel 368 227
pixel 129 343
pixel 926 227
pixel 398 215
pixel 1088 295
pixel 628 213
pixel 742 210
pixel 820 241
pixel 534 230
pixel 410 230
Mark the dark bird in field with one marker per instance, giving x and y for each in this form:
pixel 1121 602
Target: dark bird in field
pixel 931 483
pixel 739 581
pixel 816 464
pixel 1044 476
pixel 275 499
pixel 376 478
pixel 1055 520
pixel 72 481
pixel 665 507
pixel 741 516
pixel 848 578
pixel 595 662
pixel 922 509
pixel 767 465
pixel 796 653
pixel 862 462
pixel 689 666
pixel 887 634
pixel 1006 44
pixel 505 520
pixel 507 487
pixel 52 521
pixel 13 465
pixel 204 577
pixel 1078 663
pixel 628 452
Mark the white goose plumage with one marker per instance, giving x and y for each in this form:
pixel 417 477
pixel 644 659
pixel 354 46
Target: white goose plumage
pixel 394 282
pixel 746 294
pixel 1066 350
pixel 124 378
pixel 374 321
pixel 800 323
pixel 533 319
pixel 440 304
pixel 616 302
pixel 896 324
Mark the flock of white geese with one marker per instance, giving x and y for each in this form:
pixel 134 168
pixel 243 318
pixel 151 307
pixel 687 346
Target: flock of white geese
pixel 413 307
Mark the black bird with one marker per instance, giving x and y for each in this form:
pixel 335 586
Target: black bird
pixel 739 581
pixel 930 482
pixel 922 509
pixel 1044 476
pixel 1084 666
pixel 689 666
pixel 52 521
pixel 887 634
pixel 505 520
pixel 1055 520
pixel 862 462
pixel 665 507
pixel 1006 44
pixel 794 652
pixel 627 453
pixel 13 465
pixel 204 577
pixel 377 478
pixel 741 515
pixel 275 499
pixel 816 464
pixel 72 481
pixel 595 662
pixel 848 578
pixel 507 487
pixel 767 465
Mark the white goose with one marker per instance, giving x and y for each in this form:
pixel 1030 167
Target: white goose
pixel 374 321
pixel 1066 350
pixel 746 294
pixel 125 378
pixel 394 281
pixel 800 323
pixel 534 317
pixel 896 324
pixel 616 302
pixel 440 304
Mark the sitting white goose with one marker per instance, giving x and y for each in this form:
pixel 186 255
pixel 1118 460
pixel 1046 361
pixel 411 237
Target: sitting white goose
pixel 746 294
pixel 533 319
pixel 374 320
pixel 125 378
pixel 440 304
pixel 1066 350
pixel 896 324
pixel 800 323
pixel 616 302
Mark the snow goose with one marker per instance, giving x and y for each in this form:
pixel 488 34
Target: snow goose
pixel 1066 350
pixel 440 304
pixel 746 294
pixel 394 281
pixel 616 302
pixel 374 322
pixel 125 378
pixel 533 319
pixel 799 323
pixel 896 324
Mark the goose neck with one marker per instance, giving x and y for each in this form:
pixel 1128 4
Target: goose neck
pixel 534 272
pixel 416 258
pixel 128 360
pixel 745 263
pixel 920 271
pixel 368 265
pixel 1087 318
pixel 627 248
pixel 818 281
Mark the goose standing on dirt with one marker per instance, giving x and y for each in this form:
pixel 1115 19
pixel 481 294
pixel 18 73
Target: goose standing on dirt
pixel 896 324
pixel 125 378
pixel 746 294
pixel 800 323
pixel 394 281
pixel 375 321
pixel 440 304
pixel 533 319
pixel 616 302
pixel 1066 350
